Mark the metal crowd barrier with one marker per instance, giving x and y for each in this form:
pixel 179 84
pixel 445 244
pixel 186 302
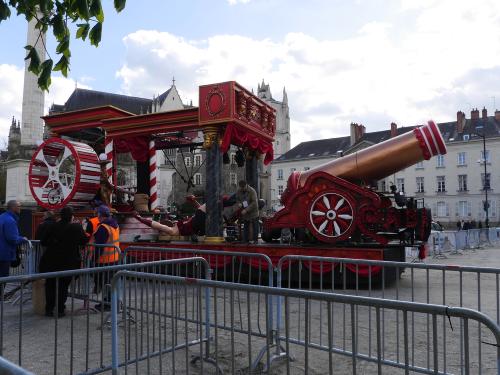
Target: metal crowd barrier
pixel 457 241
pixel 476 288
pixel 236 267
pixel 173 337
pixel 8 368
pixel 80 342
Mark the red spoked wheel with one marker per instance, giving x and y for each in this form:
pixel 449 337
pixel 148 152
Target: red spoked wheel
pixel 331 216
pixel 63 173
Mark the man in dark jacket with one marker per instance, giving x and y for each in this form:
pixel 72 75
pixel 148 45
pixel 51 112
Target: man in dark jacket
pixel 62 241
pixel 9 236
pixel 48 220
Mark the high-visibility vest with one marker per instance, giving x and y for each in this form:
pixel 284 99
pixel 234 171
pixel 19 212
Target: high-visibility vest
pixel 110 254
pixel 95 224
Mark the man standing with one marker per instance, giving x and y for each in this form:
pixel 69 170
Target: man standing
pixel 107 233
pixel 9 236
pixel 247 198
pixel 62 240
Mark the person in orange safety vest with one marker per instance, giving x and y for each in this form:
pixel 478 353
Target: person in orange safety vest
pixel 107 233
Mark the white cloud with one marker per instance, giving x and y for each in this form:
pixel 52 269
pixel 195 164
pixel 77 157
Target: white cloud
pixel 437 63
pixel 11 96
pixel 11 82
pixel 234 2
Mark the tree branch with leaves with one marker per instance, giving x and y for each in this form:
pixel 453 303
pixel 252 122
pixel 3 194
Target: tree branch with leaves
pixel 56 15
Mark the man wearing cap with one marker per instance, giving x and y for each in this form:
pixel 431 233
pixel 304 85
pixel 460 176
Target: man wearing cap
pixel 107 233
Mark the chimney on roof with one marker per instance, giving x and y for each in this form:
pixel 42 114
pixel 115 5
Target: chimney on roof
pixel 355 133
pixel 484 113
pixel 354 126
pixel 497 115
pixel 394 129
pixel 360 132
pixel 474 114
pixel 460 122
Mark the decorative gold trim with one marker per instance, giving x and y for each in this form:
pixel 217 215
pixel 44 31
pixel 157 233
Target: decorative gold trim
pixel 210 136
pixel 214 240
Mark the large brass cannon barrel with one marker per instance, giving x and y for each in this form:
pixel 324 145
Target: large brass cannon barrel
pixel 385 158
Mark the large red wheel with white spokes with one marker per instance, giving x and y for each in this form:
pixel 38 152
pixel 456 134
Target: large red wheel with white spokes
pixel 63 173
pixel 331 216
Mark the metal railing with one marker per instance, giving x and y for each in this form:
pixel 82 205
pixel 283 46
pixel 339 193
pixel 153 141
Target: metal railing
pixel 80 341
pixel 235 352
pixel 462 286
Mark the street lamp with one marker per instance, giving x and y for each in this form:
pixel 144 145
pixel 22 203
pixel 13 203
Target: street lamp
pixel 486 204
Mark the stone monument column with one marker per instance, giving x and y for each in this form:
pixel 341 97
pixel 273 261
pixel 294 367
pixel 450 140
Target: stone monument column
pixel 33 96
pixel 31 127
pixel 213 186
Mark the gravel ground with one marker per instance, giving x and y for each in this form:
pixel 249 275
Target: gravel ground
pixel 82 345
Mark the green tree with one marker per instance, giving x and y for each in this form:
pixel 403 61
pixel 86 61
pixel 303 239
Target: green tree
pixel 55 15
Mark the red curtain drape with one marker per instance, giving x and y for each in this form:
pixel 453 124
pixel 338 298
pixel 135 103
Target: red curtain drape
pixel 138 147
pixel 238 137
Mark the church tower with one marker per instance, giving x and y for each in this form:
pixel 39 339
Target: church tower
pixel 33 96
pixel 281 143
pixel 282 139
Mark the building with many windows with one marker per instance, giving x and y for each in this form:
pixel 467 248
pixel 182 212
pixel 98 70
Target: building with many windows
pixel 452 185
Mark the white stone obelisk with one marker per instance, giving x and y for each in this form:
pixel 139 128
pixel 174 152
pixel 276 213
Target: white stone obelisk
pixel 17 186
pixel 33 96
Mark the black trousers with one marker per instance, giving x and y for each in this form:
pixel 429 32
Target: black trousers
pixel 62 293
pixel 100 281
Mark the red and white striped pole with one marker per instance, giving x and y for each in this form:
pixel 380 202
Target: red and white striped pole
pixel 108 150
pixel 153 182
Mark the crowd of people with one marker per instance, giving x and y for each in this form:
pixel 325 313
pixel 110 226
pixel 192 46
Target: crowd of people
pixel 469 224
pixel 61 241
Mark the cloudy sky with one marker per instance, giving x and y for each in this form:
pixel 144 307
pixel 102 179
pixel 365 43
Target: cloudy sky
pixel 367 61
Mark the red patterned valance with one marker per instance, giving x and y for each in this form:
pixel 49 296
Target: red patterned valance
pixel 238 137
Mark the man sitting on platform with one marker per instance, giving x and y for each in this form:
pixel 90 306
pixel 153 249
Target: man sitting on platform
pixel 195 225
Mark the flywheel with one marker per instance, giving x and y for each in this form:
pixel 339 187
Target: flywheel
pixel 63 173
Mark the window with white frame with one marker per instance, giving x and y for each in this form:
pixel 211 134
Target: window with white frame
pixel 197 160
pixel 187 161
pixel 483 158
pixel 462 182
pixel 464 209
pixel 420 185
pixel 442 209
pixel 280 189
pixel 486 182
pixel 197 178
pixel 400 183
pixel 419 165
pixel 440 161
pixel 383 186
pixel 233 158
pixel 461 158
pixel 420 203
pixel 441 184
pixel 280 174
pixel 232 178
